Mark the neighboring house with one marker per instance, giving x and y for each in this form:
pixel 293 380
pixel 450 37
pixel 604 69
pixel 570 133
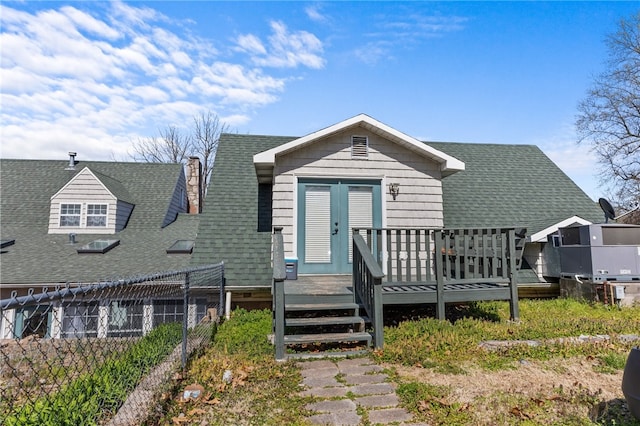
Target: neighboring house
pixel 76 222
pixel 363 173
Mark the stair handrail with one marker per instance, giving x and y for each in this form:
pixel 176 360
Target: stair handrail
pixel 279 276
pixel 367 283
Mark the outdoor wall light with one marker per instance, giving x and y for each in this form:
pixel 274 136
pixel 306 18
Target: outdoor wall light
pixel 394 189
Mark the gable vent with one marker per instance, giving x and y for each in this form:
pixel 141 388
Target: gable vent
pixel 359 147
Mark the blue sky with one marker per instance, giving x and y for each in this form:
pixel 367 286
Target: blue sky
pixel 93 77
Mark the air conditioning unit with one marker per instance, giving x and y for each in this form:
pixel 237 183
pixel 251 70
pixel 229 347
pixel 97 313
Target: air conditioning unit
pixel 600 252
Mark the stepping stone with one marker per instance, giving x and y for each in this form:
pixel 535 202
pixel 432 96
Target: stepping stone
pixel 378 401
pixel 337 392
pixel 373 389
pixel 363 379
pixel 391 415
pixel 360 369
pixel 332 406
pixel 321 382
pixel 343 419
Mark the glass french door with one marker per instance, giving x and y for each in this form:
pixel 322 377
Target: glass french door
pixel 328 210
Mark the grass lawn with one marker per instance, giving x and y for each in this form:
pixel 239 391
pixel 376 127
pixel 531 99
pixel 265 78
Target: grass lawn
pixel 444 375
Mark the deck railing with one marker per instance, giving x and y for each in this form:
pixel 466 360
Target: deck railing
pixel 434 258
pixel 367 279
pixel 279 275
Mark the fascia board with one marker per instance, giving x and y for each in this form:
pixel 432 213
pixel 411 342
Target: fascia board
pixel 541 236
pixel 88 170
pixel 448 163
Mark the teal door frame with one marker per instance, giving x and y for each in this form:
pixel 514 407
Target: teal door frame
pixel 338 228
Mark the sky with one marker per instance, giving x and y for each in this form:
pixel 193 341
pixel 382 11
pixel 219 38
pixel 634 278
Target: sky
pixel 95 77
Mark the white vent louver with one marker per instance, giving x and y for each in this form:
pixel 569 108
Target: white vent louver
pixel 359 147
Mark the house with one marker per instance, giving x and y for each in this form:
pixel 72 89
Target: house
pixel 363 173
pixel 81 222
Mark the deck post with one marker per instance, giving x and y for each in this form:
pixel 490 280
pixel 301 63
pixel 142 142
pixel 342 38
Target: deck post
pixel 378 327
pixel 513 273
pixel 440 251
pixel 279 275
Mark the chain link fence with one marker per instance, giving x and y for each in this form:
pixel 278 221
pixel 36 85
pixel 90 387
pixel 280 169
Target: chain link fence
pixel 102 353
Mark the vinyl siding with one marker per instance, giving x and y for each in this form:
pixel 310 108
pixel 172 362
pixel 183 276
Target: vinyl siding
pixel 419 203
pixel 83 189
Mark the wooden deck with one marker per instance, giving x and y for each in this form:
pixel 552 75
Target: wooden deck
pixel 342 285
pixel 397 267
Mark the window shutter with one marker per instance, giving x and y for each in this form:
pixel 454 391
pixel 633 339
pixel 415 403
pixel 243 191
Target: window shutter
pixel 360 211
pixel 317 243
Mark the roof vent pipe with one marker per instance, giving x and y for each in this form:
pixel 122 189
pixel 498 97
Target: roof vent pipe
pixel 72 161
pixel 72 238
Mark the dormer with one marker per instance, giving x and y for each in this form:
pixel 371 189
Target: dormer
pixel 90 203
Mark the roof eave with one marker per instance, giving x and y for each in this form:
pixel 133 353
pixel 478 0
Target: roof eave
pixel 541 236
pixel 264 161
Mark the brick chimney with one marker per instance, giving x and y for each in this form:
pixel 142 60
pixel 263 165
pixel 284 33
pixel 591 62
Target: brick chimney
pixel 194 185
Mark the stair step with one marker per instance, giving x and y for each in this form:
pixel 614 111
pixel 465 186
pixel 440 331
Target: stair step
pixel 327 338
pixel 331 354
pixel 319 306
pixel 301 322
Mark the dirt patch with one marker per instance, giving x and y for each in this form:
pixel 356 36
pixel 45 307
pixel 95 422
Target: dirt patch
pixel 536 392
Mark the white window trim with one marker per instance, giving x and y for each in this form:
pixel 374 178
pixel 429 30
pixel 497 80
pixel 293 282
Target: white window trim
pixel 79 215
pixel 106 216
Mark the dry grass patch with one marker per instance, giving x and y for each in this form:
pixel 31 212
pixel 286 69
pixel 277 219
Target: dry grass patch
pixel 558 391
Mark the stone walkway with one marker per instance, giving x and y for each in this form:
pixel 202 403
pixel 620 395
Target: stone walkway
pixel 351 392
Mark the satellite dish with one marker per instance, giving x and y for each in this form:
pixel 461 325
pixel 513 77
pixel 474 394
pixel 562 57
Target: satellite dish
pixel 607 208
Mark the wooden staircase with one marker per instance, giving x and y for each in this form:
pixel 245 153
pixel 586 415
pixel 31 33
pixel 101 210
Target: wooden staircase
pixel 321 319
pixel 325 329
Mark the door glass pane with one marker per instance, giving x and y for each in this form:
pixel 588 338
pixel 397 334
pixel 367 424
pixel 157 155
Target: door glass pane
pixel 317 244
pixel 360 211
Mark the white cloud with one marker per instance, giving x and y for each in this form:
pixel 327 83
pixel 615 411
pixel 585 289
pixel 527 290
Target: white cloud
pixel 374 52
pixel 251 44
pixel 92 77
pixel 406 29
pixel 285 49
pixel 313 12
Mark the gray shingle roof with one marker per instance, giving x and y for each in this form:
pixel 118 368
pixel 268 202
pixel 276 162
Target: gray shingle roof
pixel 26 187
pixel 503 185
pixel 510 185
pixel 115 187
pixel 229 228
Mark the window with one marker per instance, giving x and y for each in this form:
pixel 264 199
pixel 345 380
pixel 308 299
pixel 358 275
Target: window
pixel 359 147
pixel 96 215
pixel 80 320
pixel 70 214
pixel 125 318
pixel 165 311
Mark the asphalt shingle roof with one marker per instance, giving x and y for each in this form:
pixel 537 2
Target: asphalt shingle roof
pixel 26 187
pixel 231 229
pixel 510 185
pixel 503 185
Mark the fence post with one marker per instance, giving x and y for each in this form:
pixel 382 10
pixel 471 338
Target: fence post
pixel 185 320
